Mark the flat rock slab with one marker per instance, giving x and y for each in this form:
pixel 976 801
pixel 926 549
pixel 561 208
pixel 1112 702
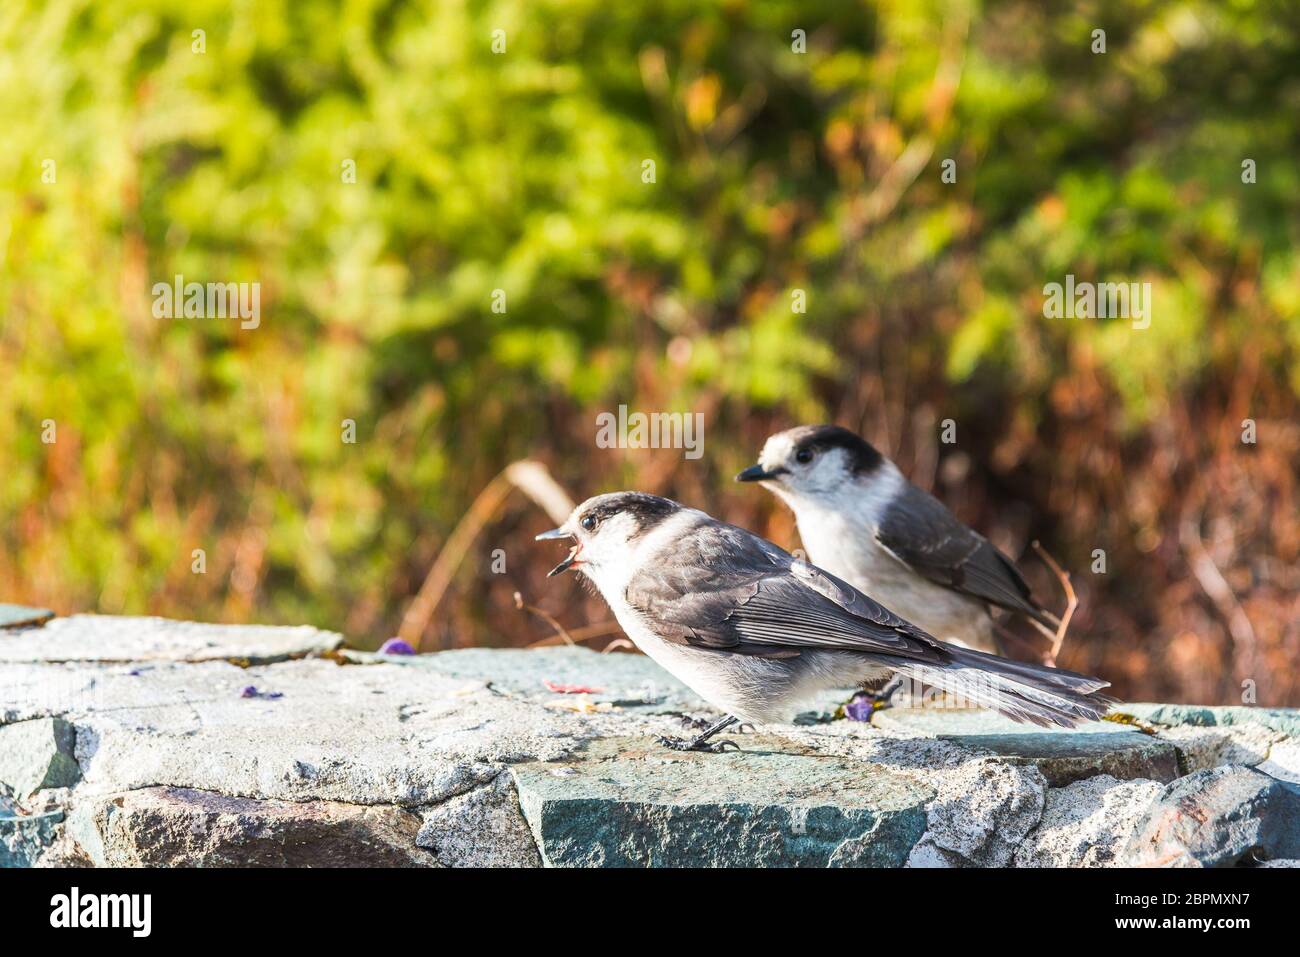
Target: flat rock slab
pixel 630 682
pixel 104 638
pixel 617 680
pixel 1283 720
pixel 312 729
pixel 147 742
pixel 626 805
pixel 1063 755
pixel 20 616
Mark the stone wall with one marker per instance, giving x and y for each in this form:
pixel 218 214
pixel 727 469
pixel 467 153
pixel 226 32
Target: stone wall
pixel 134 741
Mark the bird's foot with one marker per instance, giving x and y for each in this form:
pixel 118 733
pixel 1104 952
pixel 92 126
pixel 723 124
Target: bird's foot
pixel 697 744
pixel 701 724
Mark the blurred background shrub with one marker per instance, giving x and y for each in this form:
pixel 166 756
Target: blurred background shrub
pixel 774 171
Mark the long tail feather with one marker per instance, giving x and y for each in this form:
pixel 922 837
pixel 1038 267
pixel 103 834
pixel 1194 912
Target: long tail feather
pixel 1016 689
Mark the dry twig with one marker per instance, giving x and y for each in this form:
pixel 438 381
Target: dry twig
pixel 1071 601
pixel 530 477
pixel 1207 574
pixel 548 618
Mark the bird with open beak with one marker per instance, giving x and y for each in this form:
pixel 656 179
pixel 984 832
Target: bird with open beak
pixel 755 631
pixel 570 560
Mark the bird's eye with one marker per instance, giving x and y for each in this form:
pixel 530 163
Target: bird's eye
pixel 803 456
pixel 588 522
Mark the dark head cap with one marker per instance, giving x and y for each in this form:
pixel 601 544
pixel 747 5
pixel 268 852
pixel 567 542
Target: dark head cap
pixel 861 454
pixel 632 514
pixel 646 510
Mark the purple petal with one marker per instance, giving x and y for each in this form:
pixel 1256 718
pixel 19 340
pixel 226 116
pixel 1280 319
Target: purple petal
pixel 252 692
pixel 395 646
pixel 860 708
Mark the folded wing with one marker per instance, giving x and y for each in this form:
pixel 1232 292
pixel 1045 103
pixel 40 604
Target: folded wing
pixel 921 533
pixel 759 600
pixel 728 590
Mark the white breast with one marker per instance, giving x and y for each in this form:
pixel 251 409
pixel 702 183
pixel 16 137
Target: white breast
pixel 841 538
pixel 757 690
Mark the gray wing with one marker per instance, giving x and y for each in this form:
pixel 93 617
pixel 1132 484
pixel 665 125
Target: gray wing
pixel 726 589
pixel 921 533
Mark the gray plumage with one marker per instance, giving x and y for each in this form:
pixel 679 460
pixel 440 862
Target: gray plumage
pixel 918 530
pixel 751 628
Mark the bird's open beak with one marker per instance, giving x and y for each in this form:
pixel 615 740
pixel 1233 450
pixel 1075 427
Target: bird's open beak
pixel 756 473
pixel 568 562
pixel 570 559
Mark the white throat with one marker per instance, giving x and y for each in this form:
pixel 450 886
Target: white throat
pixel 855 504
pixel 614 569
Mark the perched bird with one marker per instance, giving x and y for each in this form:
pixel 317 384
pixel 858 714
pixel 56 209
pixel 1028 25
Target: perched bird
pixel 861 519
pixel 755 631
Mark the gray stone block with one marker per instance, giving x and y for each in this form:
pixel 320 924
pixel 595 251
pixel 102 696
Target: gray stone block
pixel 20 616
pixel 629 806
pixel 1063 755
pixel 1285 720
pixel 24 838
pixel 1218 817
pixel 38 754
pixel 483 828
pixel 178 827
pixel 105 638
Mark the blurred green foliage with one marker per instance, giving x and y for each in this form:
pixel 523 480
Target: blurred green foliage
pixel 523 171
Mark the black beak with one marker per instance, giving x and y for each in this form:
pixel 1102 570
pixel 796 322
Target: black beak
pixel 564 565
pixel 573 552
pixel 756 473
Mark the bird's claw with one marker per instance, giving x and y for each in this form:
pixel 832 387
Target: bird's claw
pixel 717 747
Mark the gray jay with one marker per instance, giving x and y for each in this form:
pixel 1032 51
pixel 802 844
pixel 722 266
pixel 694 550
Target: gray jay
pixel 860 519
pixel 754 630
